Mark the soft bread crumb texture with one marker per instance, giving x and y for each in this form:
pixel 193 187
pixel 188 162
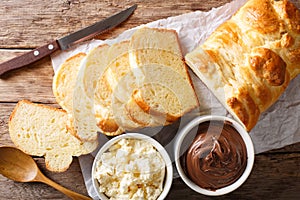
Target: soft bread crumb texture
pixel 40 130
pixel 163 82
pixel 91 68
pixel 64 81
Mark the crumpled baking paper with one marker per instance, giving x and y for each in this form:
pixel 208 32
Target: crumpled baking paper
pixel 278 126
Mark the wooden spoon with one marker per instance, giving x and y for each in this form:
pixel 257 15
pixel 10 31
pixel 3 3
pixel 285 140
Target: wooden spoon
pixel 20 167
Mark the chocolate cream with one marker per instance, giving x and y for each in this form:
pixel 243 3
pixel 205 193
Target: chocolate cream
pixel 217 156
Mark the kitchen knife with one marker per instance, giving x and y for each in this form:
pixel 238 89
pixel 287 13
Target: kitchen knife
pixel 67 41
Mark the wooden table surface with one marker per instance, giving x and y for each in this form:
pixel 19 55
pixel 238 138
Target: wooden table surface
pixel 26 24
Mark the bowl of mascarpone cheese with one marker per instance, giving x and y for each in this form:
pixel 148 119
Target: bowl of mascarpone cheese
pixel 214 155
pixel 132 166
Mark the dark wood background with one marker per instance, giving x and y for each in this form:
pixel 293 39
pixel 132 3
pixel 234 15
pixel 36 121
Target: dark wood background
pixel 26 24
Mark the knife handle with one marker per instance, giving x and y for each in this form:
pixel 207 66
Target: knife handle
pixel 29 57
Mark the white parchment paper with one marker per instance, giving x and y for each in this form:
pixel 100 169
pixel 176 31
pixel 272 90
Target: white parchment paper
pixel 278 126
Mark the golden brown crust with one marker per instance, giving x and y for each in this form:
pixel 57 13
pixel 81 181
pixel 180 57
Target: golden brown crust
pixel 12 115
pixel 140 102
pixel 24 101
pixel 260 15
pixel 78 55
pixel 292 15
pixel 251 107
pixel 134 113
pixel 287 41
pixel 146 108
pixel 71 63
pixel 245 108
pixel 48 166
pixel 269 65
pixel 108 125
pixel 294 56
pixel 130 109
pixel 236 105
pixel 254 55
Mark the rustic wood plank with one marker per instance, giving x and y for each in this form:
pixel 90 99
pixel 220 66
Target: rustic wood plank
pixel 30 23
pixel 40 22
pixel 71 179
pixel 287 149
pixel 33 82
pixel 5 110
pixel 270 178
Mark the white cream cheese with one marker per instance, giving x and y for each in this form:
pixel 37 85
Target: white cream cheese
pixel 131 169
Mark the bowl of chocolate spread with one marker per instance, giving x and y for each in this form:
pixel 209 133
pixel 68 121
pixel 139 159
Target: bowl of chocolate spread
pixel 214 155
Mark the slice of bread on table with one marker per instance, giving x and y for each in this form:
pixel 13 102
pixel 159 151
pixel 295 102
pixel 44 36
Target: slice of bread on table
pixel 40 130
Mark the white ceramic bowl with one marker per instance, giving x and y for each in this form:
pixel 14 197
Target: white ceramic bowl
pixel 168 173
pixel 185 132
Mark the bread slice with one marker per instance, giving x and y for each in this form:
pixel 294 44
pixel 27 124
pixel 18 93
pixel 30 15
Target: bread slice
pixel 155 38
pixel 152 56
pixel 127 112
pixel 63 85
pixel 84 121
pixel 114 96
pixel 156 59
pixel 64 81
pixel 144 118
pixel 113 121
pixel 161 94
pixel 40 130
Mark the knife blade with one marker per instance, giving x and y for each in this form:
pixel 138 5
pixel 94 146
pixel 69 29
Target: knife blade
pixel 67 41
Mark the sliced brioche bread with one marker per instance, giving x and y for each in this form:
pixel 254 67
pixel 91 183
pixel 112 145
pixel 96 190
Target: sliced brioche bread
pixel 161 94
pixel 133 84
pixel 40 130
pixel 63 85
pixel 64 81
pixel 158 61
pixel 123 83
pixel 92 67
pixel 165 59
pixel 105 114
pixel 122 103
pixel 114 92
pixel 155 38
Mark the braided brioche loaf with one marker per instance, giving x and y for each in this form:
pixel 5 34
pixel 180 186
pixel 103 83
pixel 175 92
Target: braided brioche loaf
pixel 249 60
